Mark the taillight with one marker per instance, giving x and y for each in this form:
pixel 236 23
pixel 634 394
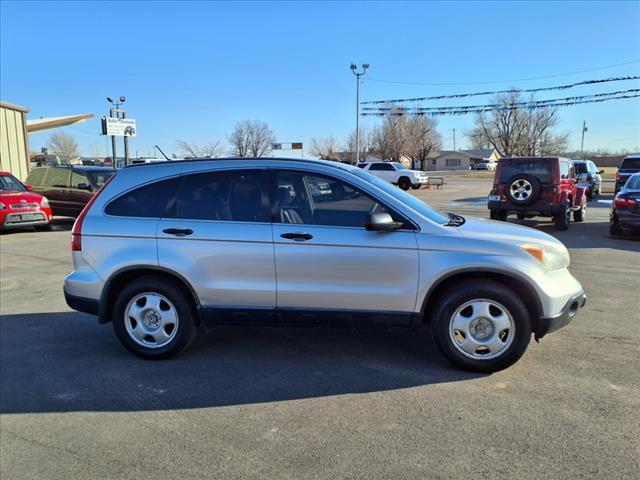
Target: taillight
pixel 622 201
pixel 76 231
pixel 617 175
pixel 589 178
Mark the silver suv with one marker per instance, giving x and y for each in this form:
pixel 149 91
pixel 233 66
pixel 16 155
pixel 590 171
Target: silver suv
pixel 163 247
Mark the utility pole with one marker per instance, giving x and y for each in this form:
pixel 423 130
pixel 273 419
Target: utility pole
pixel 115 112
pixel 354 70
pixel 454 139
pixel 584 129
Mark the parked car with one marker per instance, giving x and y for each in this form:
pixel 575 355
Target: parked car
pixel 625 208
pixel 68 188
pixel 396 173
pixel 537 186
pixel 484 165
pixel 588 177
pixel 163 247
pixel 20 207
pixel 628 167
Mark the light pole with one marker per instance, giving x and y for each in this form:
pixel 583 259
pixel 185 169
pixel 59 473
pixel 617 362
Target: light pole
pixel 584 129
pixel 354 70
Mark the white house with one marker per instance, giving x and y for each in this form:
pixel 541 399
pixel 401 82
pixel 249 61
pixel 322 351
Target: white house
pixel 460 159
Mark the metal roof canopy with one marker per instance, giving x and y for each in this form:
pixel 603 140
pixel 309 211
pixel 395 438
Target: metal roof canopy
pixel 55 122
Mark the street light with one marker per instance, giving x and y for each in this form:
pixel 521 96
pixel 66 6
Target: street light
pixel 358 74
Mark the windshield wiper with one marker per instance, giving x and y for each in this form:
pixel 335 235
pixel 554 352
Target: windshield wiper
pixel 455 220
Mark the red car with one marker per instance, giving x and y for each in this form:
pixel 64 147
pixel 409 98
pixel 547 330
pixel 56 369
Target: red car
pixel 20 207
pixel 538 186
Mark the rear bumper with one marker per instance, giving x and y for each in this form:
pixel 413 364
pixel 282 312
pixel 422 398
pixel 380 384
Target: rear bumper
pixel 551 324
pixel 626 219
pixel 543 209
pixel 81 304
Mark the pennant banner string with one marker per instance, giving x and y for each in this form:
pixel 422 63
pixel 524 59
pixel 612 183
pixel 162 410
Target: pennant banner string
pixel 529 90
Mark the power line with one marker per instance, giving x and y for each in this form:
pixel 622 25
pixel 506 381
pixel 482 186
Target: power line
pixel 504 81
pixel 529 90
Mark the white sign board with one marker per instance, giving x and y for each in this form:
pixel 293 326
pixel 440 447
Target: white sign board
pixel 121 127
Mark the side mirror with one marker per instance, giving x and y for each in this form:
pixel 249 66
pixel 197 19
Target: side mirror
pixel 84 186
pixel 29 187
pixel 381 222
pixel 600 172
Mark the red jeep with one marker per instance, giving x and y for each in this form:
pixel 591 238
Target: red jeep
pixel 537 186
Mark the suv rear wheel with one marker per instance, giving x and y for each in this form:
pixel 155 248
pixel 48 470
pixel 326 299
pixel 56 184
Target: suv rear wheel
pixel 481 326
pixel 563 220
pixel 154 318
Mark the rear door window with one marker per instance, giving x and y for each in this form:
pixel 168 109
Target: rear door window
pixel 36 177
pixel 154 200
pixel 57 177
pixel 541 170
pixel 234 196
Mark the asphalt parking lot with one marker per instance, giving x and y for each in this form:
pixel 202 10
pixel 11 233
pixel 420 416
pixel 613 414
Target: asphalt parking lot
pixel 319 403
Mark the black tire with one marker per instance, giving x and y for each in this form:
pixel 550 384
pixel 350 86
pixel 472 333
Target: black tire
pixel 529 183
pixel 563 220
pixel 187 326
pixel 521 216
pixel 416 187
pixel 614 228
pixel 498 215
pixel 580 214
pixel 443 312
pixel 404 183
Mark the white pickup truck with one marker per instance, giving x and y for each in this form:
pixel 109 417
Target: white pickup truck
pixel 396 173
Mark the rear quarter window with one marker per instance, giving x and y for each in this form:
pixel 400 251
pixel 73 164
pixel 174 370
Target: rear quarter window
pixel 154 200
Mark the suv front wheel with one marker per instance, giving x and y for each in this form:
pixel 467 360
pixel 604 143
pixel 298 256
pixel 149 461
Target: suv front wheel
pixel 563 220
pixel 481 326
pixel 154 318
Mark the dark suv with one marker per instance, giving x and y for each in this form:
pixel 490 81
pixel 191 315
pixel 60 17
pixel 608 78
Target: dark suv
pixel 68 188
pixel 628 167
pixel 537 186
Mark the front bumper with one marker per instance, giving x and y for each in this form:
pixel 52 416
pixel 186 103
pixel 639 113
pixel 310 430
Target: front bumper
pixel 551 324
pixel 24 219
pixel 543 209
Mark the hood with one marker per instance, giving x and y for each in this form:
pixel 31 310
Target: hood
pixel 491 230
pixel 11 198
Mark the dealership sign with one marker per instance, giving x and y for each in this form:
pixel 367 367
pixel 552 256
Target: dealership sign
pixel 120 127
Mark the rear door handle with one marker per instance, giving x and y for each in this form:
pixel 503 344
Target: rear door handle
pixel 300 237
pixel 178 232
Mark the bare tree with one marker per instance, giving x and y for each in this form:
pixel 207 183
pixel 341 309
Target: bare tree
pixel 366 144
pixel 64 145
pixel 514 131
pixel 251 138
pixel 325 148
pixel 421 138
pixel 207 150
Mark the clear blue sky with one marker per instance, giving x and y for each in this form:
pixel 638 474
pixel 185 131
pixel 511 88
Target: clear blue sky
pixel 191 70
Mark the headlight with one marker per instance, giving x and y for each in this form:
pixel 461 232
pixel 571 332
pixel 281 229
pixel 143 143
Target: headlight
pixel 552 258
pixel 45 202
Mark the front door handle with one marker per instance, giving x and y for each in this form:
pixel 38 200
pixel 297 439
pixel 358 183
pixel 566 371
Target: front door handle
pixel 300 237
pixel 178 232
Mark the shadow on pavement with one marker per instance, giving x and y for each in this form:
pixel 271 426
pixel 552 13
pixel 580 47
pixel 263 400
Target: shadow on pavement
pixel 58 362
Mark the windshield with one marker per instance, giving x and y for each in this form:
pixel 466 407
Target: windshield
pixel 539 169
pixel 581 167
pixel 11 183
pixel 630 164
pixel 399 166
pixel 633 183
pixel 416 204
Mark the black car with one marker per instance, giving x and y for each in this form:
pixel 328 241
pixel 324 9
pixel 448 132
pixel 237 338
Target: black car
pixel 68 188
pixel 628 167
pixel 625 208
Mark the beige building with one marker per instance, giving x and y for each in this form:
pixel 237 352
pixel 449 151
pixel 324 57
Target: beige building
pixel 14 144
pixel 460 159
pixel 14 135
